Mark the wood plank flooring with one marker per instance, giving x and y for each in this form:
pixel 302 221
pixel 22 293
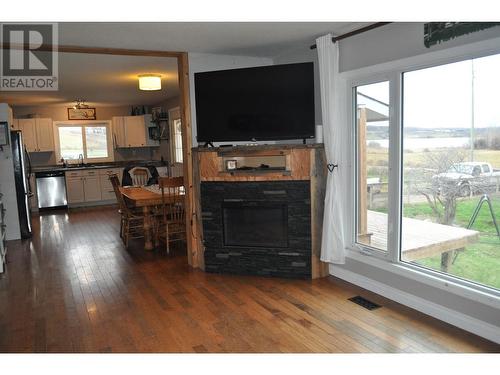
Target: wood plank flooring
pixel 74 288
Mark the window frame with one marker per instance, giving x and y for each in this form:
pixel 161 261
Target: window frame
pixel 393 72
pixel 83 124
pixel 174 114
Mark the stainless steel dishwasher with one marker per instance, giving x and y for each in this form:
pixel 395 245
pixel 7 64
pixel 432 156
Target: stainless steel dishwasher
pixel 51 189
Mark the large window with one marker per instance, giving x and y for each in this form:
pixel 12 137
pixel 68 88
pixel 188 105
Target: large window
pixel 451 163
pixel 372 129
pixel 90 141
pixel 428 176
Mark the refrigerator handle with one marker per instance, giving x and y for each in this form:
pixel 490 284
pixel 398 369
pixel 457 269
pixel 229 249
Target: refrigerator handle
pixel 28 159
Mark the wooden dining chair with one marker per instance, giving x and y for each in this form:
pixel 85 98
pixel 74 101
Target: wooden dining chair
pixel 172 226
pixel 140 176
pixel 131 222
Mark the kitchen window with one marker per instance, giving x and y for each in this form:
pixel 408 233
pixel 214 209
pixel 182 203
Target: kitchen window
pixel 89 140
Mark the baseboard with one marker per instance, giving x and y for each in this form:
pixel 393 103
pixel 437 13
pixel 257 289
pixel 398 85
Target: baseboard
pixel 465 322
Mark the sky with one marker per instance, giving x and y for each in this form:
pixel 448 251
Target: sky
pixel 441 97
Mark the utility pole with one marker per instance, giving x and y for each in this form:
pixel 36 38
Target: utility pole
pixel 472 114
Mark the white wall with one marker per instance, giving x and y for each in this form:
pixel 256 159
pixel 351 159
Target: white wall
pixel 7 184
pixel 397 41
pixel 389 43
pixel 204 62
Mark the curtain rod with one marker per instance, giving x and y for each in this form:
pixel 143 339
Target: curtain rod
pixel 355 32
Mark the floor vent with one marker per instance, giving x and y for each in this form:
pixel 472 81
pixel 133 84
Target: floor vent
pixel 364 302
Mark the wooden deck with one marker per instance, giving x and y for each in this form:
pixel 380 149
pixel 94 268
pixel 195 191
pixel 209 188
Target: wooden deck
pixel 420 239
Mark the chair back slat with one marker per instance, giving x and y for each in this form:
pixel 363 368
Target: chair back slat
pixel 115 181
pixel 140 176
pixel 172 193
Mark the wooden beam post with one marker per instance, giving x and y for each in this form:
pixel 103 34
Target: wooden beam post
pixel 185 107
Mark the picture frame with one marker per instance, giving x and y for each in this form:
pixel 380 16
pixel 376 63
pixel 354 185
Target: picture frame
pixel 231 165
pixel 82 114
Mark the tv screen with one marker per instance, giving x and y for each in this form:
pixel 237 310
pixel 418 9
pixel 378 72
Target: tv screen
pixel 255 104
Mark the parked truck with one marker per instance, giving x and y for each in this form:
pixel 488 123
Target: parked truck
pixel 468 178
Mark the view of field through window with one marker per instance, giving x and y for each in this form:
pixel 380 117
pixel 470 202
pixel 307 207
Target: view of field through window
pixel 90 142
pixel 451 169
pixel 451 158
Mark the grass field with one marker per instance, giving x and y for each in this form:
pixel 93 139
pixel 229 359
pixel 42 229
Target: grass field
pixel 480 261
pixel 379 157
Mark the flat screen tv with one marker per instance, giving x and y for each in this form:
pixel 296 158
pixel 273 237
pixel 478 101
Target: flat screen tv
pixel 273 102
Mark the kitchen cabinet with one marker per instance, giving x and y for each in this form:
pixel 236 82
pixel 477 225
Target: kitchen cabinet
pixel 90 185
pixel 44 135
pixel 132 131
pixel 83 186
pixel 119 140
pixel 107 191
pixel 74 187
pixel 135 131
pixel 38 134
pixel 28 128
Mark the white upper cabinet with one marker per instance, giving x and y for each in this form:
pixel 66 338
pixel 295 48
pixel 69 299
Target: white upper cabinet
pixel 44 134
pixel 135 131
pixel 38 134
pixel 27 127
pixel 119 140
pixel 132 131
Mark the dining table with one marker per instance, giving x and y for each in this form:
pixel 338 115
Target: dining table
pixel 145 198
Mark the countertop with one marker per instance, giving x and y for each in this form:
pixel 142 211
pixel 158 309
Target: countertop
pixel 119 164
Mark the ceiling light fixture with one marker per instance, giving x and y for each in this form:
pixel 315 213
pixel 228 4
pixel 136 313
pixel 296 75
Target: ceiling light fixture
pixel 150 82
pixel 80 104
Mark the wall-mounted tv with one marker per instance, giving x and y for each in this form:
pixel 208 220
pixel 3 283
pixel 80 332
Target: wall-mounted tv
pixel 273 102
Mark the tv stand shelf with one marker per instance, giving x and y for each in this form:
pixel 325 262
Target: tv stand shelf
pixel 287 162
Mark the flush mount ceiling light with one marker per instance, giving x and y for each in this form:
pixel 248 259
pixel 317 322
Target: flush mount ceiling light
pixel 150 82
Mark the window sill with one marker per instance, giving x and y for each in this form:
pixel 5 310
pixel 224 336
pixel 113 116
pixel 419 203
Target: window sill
pixel 462 288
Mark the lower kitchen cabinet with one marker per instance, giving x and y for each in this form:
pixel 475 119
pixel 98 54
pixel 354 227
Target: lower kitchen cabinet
pixel 74 189
pixel 85 186
pixel 91 186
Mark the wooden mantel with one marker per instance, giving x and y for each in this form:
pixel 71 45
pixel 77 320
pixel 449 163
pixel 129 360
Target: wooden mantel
pixel 299 162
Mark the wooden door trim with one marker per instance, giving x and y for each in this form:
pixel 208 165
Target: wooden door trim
pixel 185 109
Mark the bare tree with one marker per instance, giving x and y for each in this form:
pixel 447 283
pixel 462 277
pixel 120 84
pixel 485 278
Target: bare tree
pixel 440 192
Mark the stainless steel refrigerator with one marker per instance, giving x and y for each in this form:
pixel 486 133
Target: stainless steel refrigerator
pixel 22 173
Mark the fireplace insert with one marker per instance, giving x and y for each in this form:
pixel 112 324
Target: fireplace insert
pixel 255 224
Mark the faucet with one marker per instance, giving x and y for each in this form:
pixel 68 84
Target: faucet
pixel 80 159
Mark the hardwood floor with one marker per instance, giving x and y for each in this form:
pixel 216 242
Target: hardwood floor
pixel 74 288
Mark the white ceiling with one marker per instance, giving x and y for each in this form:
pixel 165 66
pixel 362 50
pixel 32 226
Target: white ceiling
pixel 263 39
pixel 105 80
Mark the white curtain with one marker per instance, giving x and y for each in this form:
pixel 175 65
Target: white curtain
pixel 333 109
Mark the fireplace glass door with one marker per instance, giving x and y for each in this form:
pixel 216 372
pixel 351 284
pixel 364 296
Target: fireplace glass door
pixel 255 224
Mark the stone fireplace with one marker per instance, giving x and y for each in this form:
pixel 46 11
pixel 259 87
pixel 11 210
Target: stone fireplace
pixel 259 209
pixel 258 228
